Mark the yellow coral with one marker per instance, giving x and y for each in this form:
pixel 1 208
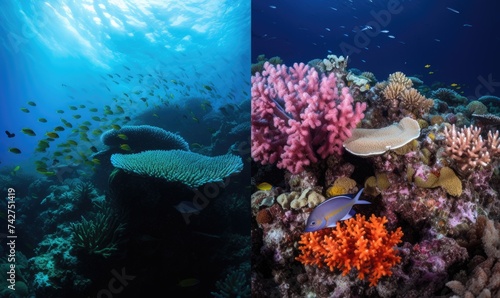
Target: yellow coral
pixel 446 179
pixel 450 182
pixel 371 186
pixel 341 186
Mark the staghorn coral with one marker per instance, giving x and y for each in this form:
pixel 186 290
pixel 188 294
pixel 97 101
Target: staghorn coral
pixel 393 90
pixel 356 243
pixel 467 149
pixel 400 78
pixel 415 102
pixel 189 168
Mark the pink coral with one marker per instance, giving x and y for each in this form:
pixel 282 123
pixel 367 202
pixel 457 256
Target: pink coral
pixel 299 116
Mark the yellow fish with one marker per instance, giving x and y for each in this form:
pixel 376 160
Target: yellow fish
pixel 454 85
pixel 52 135
pixel 25 110
pixel 31 103
pixel 125 147
pixel 431 72
pixel 17 168
pixel 96 161
pixel 15 150
pixel 73 108
pixel 427 66
pixel 264 186
pixel 122 136
pixel 93 110
pixel 72 142
pixel 60 111
pixel 59 128
pixel 116 126
pixel 43 120
pixel 77 116
pixel 28 131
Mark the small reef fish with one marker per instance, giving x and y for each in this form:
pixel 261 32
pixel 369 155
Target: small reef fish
pixel 10 135
pixel 188 282
pixel 427 66
pixel 328 213
pixel 391 36
pixel 25 110
pixel 452 10
pixel 264 186
pixel 15 150
pixel 43 120
pixel 59 128
pixel 52 135
pixel 28 131
pixel 454 85
pixel 431 72
pixel 31 103
pixel 467 25
pixel 384 31
pixel 122 136
pixel 125 147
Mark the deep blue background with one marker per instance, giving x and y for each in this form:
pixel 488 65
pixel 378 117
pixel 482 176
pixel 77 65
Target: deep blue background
pixel 296 31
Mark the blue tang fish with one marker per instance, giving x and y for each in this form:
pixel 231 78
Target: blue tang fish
pixel 328 213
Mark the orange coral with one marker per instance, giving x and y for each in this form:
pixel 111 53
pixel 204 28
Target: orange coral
pixel 355 243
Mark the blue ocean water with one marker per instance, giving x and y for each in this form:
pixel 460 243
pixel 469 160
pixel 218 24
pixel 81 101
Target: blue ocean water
pixel 456 38
pixel 96 53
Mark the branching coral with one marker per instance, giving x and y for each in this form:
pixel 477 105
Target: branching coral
pixel 399 94
pixel 98 236
pixel 400 78
pixel 356 243
pixel 467 148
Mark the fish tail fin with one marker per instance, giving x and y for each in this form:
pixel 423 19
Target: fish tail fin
pixel 362 202
pixel 358 201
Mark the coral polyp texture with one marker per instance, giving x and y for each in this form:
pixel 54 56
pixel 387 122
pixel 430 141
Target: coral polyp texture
pixel 357 243
pixel 144 137
pixel 189 168
pixel 300 116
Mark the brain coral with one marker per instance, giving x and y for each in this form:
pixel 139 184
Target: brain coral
pixel 144 137
pixel 189 168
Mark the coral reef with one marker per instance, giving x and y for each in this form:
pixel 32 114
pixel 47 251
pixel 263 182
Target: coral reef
pixel 439 186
